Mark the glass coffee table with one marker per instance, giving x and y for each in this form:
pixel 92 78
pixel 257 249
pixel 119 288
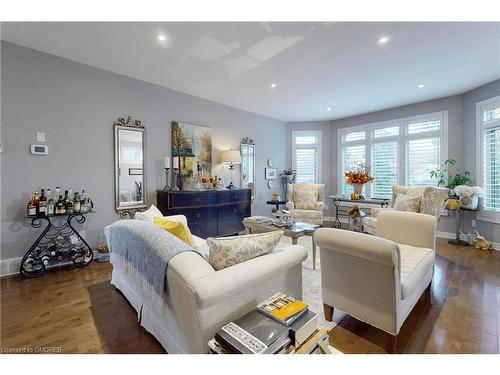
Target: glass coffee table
pixel 294 231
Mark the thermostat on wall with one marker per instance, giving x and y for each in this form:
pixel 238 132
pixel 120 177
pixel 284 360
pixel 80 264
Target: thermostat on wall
pixel 39 149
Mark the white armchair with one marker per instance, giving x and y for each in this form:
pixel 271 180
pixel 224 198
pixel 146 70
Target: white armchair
pixel 432 200
pixel 306 202
pixel 378 279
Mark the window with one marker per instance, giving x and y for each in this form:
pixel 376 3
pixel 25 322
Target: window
pixel 488 146
pixel 306 150
pixel 400 151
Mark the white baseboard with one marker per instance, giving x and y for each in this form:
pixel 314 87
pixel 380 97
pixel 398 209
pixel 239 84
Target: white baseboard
pixel 10 266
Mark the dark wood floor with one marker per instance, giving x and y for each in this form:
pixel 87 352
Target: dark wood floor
pixel 79 311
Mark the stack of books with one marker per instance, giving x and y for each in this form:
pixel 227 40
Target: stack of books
pixel 279 325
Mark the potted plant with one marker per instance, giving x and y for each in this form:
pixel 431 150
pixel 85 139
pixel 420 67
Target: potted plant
pixel 358 178
pixel 460 177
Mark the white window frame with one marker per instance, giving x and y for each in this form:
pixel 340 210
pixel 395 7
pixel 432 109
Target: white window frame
pixel 483 214
pixel 401 139
pixel 315 133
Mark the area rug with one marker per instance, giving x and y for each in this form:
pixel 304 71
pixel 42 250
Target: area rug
pixel 311 281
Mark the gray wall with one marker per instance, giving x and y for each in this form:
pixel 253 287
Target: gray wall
pixel 76 105
pixel 461 140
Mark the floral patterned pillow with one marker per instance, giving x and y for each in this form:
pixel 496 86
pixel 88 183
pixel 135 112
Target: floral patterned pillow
pixel 407 203
pixel 228 251
pixel 306 200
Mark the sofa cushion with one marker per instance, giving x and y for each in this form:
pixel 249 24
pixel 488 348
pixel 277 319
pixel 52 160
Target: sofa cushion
pixel 177 228
pixel 415 264
pixel 228 251
pixel 201 247
pixel 149 214
pixel 306 199
pixel 407 203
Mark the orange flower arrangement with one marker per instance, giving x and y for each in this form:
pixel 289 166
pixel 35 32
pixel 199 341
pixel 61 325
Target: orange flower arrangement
pixel 360 176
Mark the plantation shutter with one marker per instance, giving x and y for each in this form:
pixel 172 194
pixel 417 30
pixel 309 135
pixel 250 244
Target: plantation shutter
pixel 423 156
pixel 384 168
pixel 307 156
pixel 492 168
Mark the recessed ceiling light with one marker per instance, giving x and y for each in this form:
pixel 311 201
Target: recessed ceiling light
pixel 162 37
pixel 328 109
pixel 274 85
pixel 421 86
pixel 383 40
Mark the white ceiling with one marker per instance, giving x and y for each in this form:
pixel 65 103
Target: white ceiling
pixel 315 65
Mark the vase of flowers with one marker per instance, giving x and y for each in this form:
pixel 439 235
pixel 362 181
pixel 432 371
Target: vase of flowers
pixel 468 195
pixel 358 178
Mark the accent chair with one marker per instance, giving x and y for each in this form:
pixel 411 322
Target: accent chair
pixel 306 202
pixel 378 279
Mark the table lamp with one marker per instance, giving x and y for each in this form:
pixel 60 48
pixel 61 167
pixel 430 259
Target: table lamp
pixel 232 157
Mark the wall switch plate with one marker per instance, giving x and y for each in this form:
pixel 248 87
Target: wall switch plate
pixel 473 223
pixel 40 136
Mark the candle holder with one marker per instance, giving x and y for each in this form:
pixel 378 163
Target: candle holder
pixel 175 172
pixel 167 178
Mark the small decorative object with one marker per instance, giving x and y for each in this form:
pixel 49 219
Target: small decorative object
pixel 271 184
pixel 460 177
pixel 468 195
pixel 166 167
pixel 275 197
pixel 191 151
pixel 103 248
pixel 358 177
pixel 482 243
pixel 287 177
pixel 270 163
pixel 357 197
pixel 271 173
pixel 356 215
pixel 452 204
pixel 231 157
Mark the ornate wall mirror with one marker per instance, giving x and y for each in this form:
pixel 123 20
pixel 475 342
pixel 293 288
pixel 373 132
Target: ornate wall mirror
pixel 130 166
pixel 248 165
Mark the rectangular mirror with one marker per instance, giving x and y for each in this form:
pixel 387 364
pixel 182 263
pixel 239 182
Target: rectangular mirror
pixel 130 167
pixel 248 165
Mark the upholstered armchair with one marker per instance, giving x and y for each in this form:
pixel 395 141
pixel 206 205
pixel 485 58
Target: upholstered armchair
pixel 306 202
pixel 378 279
pixel 432 200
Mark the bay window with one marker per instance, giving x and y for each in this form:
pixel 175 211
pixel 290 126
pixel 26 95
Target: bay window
pixel 402 151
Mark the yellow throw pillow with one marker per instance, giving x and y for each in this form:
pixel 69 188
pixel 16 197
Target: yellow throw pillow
pixel 179 230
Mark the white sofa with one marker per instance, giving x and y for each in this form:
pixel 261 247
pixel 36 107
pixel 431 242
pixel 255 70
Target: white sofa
pixel 306 202
pixel 378 279
pixel 199 300
pixel 432 200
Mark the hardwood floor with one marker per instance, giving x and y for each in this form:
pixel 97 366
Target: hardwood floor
pixel 80 312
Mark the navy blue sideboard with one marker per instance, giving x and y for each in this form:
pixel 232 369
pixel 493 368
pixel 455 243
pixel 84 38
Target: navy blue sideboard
pixel 209 213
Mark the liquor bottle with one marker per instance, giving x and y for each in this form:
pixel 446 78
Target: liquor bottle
pixel 42 204
pixel 77 204
pixel 65 197
pixel 58 191
pixel 60 207
pixel 32 206
pixel 36 198
pixel 70 194
pixel 69 206
pixel 50 203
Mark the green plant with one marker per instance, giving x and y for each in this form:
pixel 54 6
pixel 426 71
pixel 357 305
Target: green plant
pixel 460 177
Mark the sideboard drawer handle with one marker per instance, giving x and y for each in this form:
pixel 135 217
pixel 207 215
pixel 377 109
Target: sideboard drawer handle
pixel 198 231
pixel 198 214
pixel 197 199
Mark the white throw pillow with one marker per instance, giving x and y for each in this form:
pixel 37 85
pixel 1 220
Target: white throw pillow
pixel 407 203
pixel 149 215
pixel 228 251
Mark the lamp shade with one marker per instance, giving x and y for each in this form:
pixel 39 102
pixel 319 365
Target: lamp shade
pixel 231 156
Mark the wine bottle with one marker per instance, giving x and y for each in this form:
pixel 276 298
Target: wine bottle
pixel 36 199
pixel 32 206
pixel 69 205
pixel 77 204
pixel 50 203
pixel 60 207
pixel 42 204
